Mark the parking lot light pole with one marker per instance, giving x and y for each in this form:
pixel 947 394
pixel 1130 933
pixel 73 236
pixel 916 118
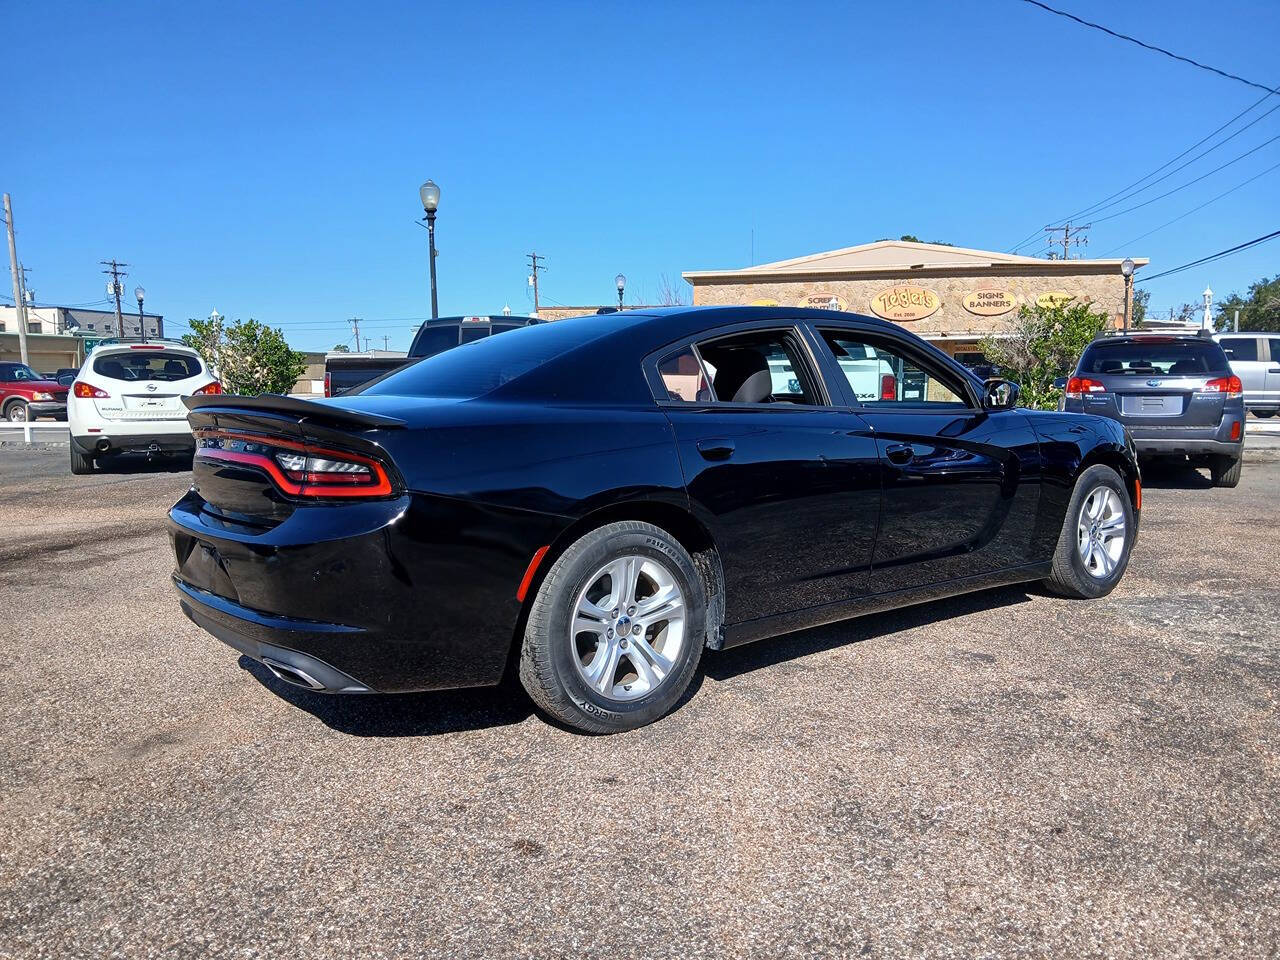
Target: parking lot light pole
pixel 429 193
pixel 1127 269
pixel 139 292
pixel 621 281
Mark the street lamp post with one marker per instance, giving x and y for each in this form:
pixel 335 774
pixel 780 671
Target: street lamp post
pixel 621 281
pixel 429 193
pixel 1205 321
pixel 1127 269
pixel 140 293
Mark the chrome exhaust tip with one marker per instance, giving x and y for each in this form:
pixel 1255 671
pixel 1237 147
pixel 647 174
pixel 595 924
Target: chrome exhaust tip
pixel 103 445
pixel 292 675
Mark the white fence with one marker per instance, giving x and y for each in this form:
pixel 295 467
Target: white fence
pixel 41 431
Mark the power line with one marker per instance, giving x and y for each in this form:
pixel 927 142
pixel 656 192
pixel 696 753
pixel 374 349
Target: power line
pixel 1183 216
pixel 1213 256
pixel 1169 193
pixel 1151 47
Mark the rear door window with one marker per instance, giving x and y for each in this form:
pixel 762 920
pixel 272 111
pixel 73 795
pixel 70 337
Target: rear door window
pixel 759 367
pixel 1240 348
pixel 139 366
pixel 1152 358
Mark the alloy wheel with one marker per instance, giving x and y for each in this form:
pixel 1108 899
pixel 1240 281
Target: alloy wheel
pixel 627 631
pixel 1100 532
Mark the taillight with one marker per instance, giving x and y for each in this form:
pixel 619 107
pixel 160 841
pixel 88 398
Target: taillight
pixel 1229 387
pixel 88 392
pixel 299 469
pixel 326 384
pixel 1077 387
pixel 888 387
pixel 209 389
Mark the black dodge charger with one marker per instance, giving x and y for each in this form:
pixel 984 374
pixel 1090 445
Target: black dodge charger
pixel 595 501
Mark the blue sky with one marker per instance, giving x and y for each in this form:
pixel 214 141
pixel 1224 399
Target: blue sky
pixel 264 159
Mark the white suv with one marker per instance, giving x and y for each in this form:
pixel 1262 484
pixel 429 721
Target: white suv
pixel 128 398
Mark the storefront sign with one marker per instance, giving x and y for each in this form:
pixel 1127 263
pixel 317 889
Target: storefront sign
pixel 989 303
pixel 823 301
pixel 1054 298
pixel 764 302
pixel 905 302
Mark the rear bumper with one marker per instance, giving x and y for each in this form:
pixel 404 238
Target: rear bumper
pixel 134 442
pixel 1189 441
pixel 267 640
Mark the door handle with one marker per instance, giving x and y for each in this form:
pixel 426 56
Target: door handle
pixel 715 449
pixel 900 453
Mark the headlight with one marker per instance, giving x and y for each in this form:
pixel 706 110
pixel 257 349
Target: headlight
pixel 41 396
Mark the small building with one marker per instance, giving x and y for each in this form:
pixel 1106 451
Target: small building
pixel 98 324
pixel 952 296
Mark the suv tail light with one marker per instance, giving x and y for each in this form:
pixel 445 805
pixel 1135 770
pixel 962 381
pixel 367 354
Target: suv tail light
pixel 1077 387
pixel 209 389
pixel 299 469
pixel 87 392
pixel 326 384
pixel 1228 386
pixel 888 387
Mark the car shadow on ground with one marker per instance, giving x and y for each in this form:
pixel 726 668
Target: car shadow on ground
pixel 403 714
pixel 1174 475
pixel 727 664
pixel 453 711
pixel 127 463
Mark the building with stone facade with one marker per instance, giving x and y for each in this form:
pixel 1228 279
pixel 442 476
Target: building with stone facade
pixel 951 296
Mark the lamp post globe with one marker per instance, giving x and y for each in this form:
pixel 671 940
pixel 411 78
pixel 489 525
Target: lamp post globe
pixel 429 193
pixel 1127 267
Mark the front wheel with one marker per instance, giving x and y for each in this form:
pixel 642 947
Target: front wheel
pixel 1097 536
pixel 17 412
pixel 1225 471
pixel 616 631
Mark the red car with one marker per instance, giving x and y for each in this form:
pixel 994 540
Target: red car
pixel 25 395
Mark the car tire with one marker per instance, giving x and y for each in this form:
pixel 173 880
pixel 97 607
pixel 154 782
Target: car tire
pixel 1086 563
pixel 558 662
pixel 16 412
pixel 1225 471
pixel 1263 413
pixel 80 463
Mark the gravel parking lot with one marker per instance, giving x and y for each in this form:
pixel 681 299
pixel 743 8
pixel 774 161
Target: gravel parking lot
pixel 1002 774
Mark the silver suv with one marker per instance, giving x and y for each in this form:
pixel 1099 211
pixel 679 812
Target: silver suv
pixel 1176 394
pixel 1255 359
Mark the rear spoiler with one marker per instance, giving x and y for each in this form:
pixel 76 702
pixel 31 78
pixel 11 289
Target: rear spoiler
pixel 305 410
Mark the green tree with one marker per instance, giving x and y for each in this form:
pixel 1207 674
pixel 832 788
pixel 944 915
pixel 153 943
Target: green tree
pixel 1044 343
pixel 1138 313
pixel 248 357
pixel 341 348
pixel 1260 310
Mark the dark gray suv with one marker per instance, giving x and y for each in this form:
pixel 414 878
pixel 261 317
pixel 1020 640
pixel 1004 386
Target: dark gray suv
pixel 1175 393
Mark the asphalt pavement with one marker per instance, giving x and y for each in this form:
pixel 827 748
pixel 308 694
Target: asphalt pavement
pixel 1003 774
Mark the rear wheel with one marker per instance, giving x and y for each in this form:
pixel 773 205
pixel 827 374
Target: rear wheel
pixel 1225 471
pixel 16 412
pixel 1264 413
pixel 80 463
pixel 1097 535
pixel 616 630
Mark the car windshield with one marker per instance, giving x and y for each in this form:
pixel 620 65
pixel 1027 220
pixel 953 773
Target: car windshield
pixel 1146 358
pixel 483 366
pixel 18 372
pixel 139 365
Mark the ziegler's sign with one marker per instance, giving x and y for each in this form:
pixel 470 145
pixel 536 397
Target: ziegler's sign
pixel 989 303
pixel 905 302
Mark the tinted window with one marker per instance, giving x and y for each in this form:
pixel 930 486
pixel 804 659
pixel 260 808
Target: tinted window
pixel 475 331
pixel 140 365
pixel 490 363
pixel 683 379
pixel 432 340
pixel 758 368
pixel 17 373
pixel 1239 348
pixel 1145 358
pixel 881 374
pixel 1275 349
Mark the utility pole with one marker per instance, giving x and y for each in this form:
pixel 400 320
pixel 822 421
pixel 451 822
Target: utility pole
pixel 1069 237
pixel 533 277
pixel 355 326
pixel 386 342
pixel 117 288
pixel 14 271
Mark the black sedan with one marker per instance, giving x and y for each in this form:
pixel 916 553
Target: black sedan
pixel 595 501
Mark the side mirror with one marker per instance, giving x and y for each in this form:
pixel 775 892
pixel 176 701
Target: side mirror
pixel 1000 394
pixel 1059 383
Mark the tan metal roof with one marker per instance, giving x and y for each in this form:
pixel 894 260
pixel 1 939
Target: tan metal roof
pixel 903 255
